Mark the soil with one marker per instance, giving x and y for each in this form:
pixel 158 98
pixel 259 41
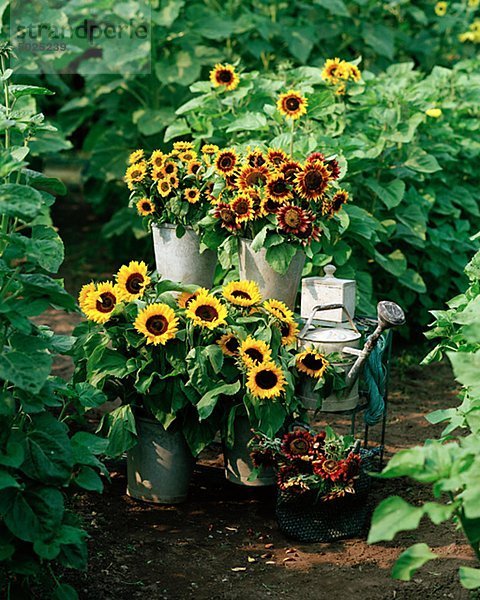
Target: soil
pixel 223 542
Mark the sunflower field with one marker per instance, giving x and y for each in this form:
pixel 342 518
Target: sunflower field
pixel 239 299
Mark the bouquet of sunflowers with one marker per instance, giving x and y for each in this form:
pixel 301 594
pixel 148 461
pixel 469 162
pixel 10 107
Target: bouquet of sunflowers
pixel 178 353
pixel 280 204
pixel 324 463
pixel 171 187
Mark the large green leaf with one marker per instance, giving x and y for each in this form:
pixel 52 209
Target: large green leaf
pixel 410 560
pixel 279 257
pixel 209 400
pixel 469 578
pixel 20 201
pixel 391 516
pixel 27 371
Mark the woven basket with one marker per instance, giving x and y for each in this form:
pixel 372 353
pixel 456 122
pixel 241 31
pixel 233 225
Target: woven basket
pixel 304 518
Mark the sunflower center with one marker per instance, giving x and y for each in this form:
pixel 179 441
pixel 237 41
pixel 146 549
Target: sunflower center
pixel 225 76
pixel 266 380
pixel 205 312
pixel 136 174
pixel 227 215
pixel 194 168
pixel 134 283
pixel 311 362
pixel 299 446
pixel 292 104
pixel 146 206
pixel 330 466
pixel 313 180
pixel 169 168
pixel 157 324
pixel 226 161
pixel 164 185
pixel 254 178
pixel 232 345
pixel 241 294
pixel 242 207
pixel 254 354
pixel 187 156
pixel 292 218
pixel 278 188
pixel 106 302
pixel 285 329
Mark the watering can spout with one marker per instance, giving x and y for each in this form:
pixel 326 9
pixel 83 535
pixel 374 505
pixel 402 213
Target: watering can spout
pixel 389 315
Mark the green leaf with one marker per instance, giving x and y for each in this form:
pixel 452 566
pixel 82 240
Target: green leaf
pixel 279 257
pixel 335 7
pixel 64 591
pixel 122 432
pixel 411 560
pixel 215 355
pixel 395 262
pixel 7 481
pixel 47 458
pixel 209 400
pixel 47 248
pixel 422 162
pixel 27 371
pixel 176 129
pixel 28 90
pixel 259 240
pixel 20 201
pixel 248 122
pixel 391 194
pixel 413 280
pixel 88 479
pixel 391 516
pixel 469 578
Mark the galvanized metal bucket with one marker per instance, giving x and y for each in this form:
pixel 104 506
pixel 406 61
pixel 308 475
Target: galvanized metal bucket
pixel 254 266
pixel 160 466
pixel 238 463
pixel 327 341
pixel 179 259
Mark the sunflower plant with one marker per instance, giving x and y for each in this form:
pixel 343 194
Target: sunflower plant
pixel 171 188
pixel 278 203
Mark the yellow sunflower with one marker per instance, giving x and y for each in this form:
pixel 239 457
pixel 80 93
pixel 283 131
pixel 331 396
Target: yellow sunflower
pixel 145 207
pixel 193 167
pixel 354 72
pixel 135 174
pixel 242 206
pixel 276 157
pixel 186 297
pixel 311 362
pixel 278 309
pixel 226 161
pixel 435 113
pixel 101 302
pixel 266 380
pixel 158 174
pixel 312 180
pixel 292 104
pixel 242 293
pixel 182 146
pixel 210 149
pixel 334 70
pixel 132 279
pixel 277 188
pixel 157 322
pixel 249 177
pixel 192 195
pixel 157 158
pixel 254 352
pixel 84 293
pixel 229 344
pixel 164 188
pixel 173 181
pixel 224 76
pixel 136 157
pixel 255 158
pixel 289 330
pixel 206 311
pixel 170 168
pixel 441 9
pixel 187 156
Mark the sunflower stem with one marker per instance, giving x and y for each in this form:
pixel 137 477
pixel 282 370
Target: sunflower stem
pixel 292 137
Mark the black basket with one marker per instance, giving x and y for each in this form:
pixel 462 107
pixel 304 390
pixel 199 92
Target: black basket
pixel 304 518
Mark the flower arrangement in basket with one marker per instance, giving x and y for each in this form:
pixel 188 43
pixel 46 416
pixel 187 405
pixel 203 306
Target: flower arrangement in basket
pixel 322 482
pixel 171 188
pixel 273 201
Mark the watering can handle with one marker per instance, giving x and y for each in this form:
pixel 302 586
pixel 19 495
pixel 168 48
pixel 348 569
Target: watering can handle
pixel 321 307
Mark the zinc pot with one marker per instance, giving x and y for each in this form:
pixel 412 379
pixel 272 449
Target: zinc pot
pixel 179 259
pixel 160 466
pixel 238 463
pixel 254 266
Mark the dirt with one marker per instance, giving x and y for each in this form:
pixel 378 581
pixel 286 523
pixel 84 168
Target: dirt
pixel 223 542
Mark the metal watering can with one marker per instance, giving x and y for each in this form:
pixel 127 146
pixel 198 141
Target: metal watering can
pixel 346 342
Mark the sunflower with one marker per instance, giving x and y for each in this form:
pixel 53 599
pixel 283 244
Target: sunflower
pixel 157 158
pixel 354 72
pixel 229 344
pixel 255 158
pixel 289 331
pixel 192 195
pixel 249 177
pixel 224 76
pixel 293 219
pixel 335 204
pixel 170 168
pixel 231 181
pixel 186 297
pixel 158 174
pixel 335 70
pixel 277 188
pixel 145 207
pixel 341 90
pixel 226 215
pixel 242 206
pixel 311 233
pixel 193 167
pixel 101 302
pixel 136 156
pixel 187 156
pixel 173 181
pixel 135 174
pixel 226 161
pixel 164 188
pixel 254 352
pixel 441 9
pixel 278 309
pixel 266 380
pixel 157 322
pixel 84 293
pixel 315 156
pixel 269 206
pixel 206 311
pixel 242 293
pixel 311 362
pixel 312 180
pixel 132 279
pixel 297 444
pixel 333 168
pixel 276 157
pixel 292 104
pixel 435 113
pixel 257 204
pixel 181 146
pixel 290 169
pixel 210 149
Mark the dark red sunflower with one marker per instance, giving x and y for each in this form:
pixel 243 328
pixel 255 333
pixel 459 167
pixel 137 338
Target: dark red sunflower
pixel 335 204
pixel 333 168
pixel 226 161
pixel 262 458
pixel 290 169
pixel 249 177
pixel 255 158
pixel 311 233
pixel 226 215
pixel 278 189
pixel 329 469
pixel 297 444
pixel 286 479
pixel 293 219
pixel 352 466
pixel 312 181
pixel 315 156
pixel 276 157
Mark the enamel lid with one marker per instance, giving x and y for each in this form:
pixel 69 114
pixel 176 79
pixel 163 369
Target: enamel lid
pixel 337 334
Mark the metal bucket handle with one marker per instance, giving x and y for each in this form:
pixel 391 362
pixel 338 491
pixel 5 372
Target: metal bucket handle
pixel 321 307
